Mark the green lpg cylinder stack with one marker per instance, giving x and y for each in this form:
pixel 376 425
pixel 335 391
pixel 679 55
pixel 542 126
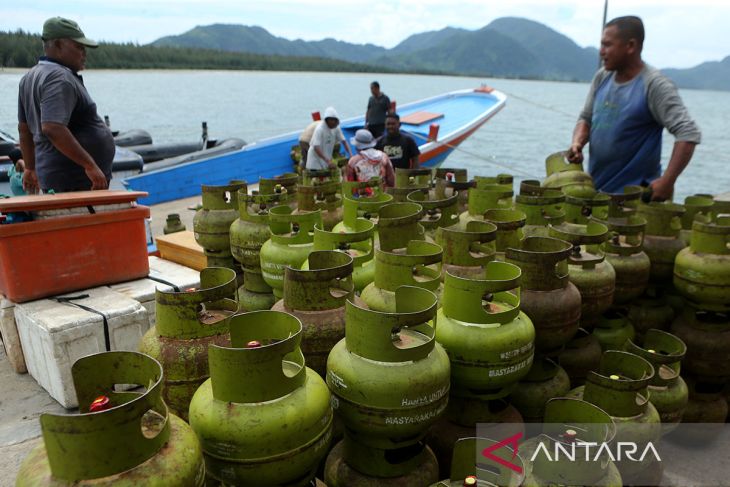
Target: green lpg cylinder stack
pixel 510 224
pixel 248 234
pixel 321 190
pixel 438 211
pixel 569 424
pixel 547 296
pixel 317 297
pixel 398 224
pixel 702 276
pixel 187 323
pixel 408 181
pixel 588 270
pixel 390 381
pixel 545 380
pixel 103 444
pixel 570 178
pixel 358 244
pixel 212 223
pixel 542 207
pixel 466 470
pixel 694 205
pixel 418 265
pixel 620 387
pixel 490 343
pixel 467 252
pixel 580 355
pixel 661 240
pixel 263 418
pixel 290 242
pixel 613 330
pixel 486 197
pixel 449 181
pixel 287 181
pixel 667 390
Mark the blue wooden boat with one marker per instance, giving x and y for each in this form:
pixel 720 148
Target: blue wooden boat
pixel 457 114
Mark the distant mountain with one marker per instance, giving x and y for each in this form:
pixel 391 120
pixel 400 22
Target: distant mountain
pixel 508 47
pixel 257 40
pixel 714 75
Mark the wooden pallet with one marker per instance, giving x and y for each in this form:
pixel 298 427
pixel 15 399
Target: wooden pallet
pixel 182 249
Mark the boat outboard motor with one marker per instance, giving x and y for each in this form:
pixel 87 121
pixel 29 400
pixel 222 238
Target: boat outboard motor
pixel 133 137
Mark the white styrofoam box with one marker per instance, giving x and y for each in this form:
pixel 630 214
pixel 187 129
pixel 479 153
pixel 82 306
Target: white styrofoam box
pixel 79 210
pixel 54 335
pixel 143 290
pixel 9 332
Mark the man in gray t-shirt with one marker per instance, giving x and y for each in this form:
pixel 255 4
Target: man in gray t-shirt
pixel 65 145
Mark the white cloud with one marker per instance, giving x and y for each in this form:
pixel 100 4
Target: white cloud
pixel 679 33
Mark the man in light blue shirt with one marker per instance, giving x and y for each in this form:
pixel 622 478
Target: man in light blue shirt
pixel 627 108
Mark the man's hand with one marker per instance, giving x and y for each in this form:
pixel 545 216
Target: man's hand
pixel 98 180
pixel 575 154
pixel 30 181
pixel 661 189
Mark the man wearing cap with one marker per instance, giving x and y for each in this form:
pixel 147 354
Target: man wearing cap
pixel 369 162
pixel 66 146
pixel 325 136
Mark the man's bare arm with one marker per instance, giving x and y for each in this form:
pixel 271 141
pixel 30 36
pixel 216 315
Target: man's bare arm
pixel 581 133
pixel 663 187
pixel 27 148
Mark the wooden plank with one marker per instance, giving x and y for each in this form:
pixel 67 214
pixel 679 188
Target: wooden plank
pixel 419 118
pixel 182 248
pixel 41 202
pixel 11 340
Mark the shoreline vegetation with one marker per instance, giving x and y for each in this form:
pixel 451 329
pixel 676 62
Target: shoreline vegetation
pixel 20 49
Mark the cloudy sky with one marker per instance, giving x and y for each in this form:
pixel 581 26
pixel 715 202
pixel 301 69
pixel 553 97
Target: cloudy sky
pixel 680 33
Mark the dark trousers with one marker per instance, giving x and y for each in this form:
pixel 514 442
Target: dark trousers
pixel 376 129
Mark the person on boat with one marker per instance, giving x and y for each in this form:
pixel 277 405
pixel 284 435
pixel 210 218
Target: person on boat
pixel 378 108
pixel 401 148
pixel 628 106
pixel 66 146
pixel 369 162
pixel 324 138
pixel 304 139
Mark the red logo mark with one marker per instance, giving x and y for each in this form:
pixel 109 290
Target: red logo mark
pixel 512 441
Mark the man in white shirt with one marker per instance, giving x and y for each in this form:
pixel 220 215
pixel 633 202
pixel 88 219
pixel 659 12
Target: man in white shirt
pixel 326 135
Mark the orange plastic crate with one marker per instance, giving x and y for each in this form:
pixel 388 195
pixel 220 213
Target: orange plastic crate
pixel 61 255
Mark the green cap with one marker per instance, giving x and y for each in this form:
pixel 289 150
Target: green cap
pixel 60 28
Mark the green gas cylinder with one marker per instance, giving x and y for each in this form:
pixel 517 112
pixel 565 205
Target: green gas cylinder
pixel 661 240
pixel 117 438
pixel 398 224
pixel 173 224
pixel 488 197
pixel 620 387
pixel 317 297
pixel 291 241
pixel 470 469
pixel 467 252
pixel 707 336
pixel 547 296
pixel 450 181
pixel 187 323
pixel 613 330
pixel 390 381
pixel 358 244
pixel 667 390
pixel 594 278
pixel 693 206
pixel 263 417
pixel 542 207
pixel 591 206
pixel 321 190
pixel 510 224
pixel 362 200
pixel 570 424
pixel 624 203
pixel 580 355
pixel 287 181
pixel 438 211
pixel 409 180
pixel 650 311
pixel 624 251
pixel 212 223
pixel 248 234
pixel 418 264
pixel 505 181
pixel 702 270
pixel 545 380
pixel 571 178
